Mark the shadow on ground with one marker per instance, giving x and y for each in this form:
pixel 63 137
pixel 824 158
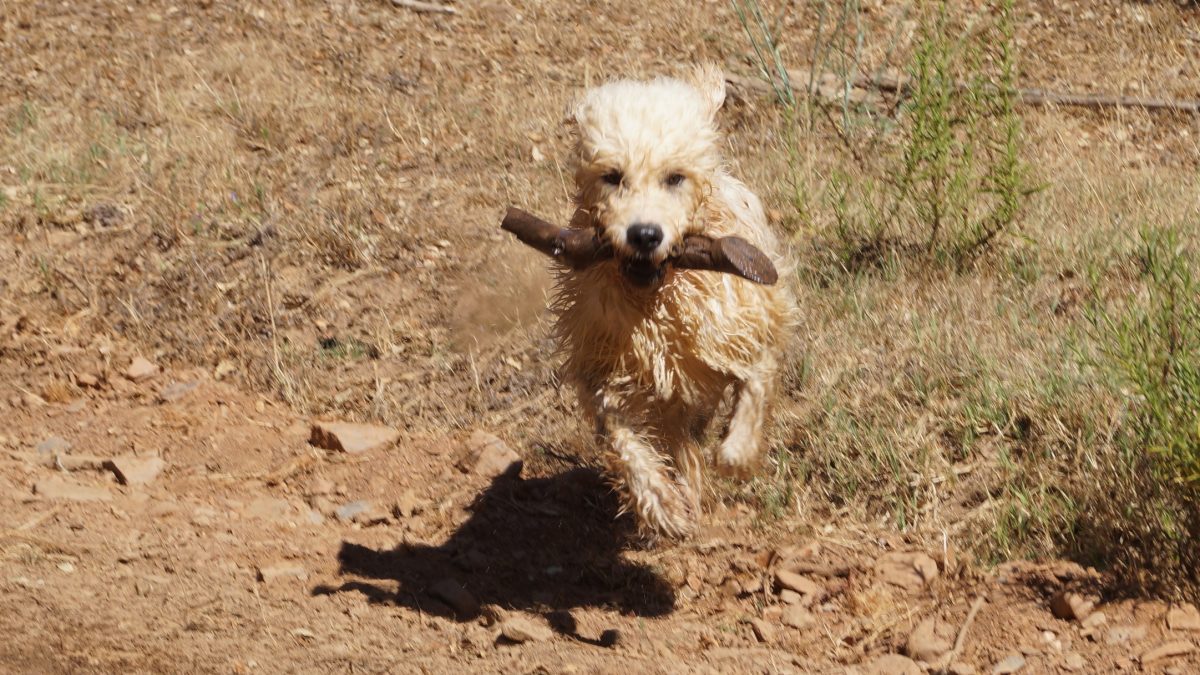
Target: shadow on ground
pixel 545 544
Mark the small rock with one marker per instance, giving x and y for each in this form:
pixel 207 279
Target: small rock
pixel 407 505
pixel 909 571
pixel 57 488
pixel 790 597
pixel 1009 665
pixel 926 642
pixel 136 470
pixel 893 664
pixel 490 457
pixel 1073 661
pixel 1184 617
pixel 795 582
pixel 796 616
pixel 960 668
pixel 141 369
pixel 277 572
pixel 87 380
pixel 321 486
pixel 1068 606
pixel 269 508
pixel 352 510
pixel 1168 650
pixel 1095 620
pixel 520 630
pixel 351 438
pixel 304 633
pixel 1121 634
pixel 610 638
pixel 763 630
pixel 451 593
pixel 177 390
pixel 53 446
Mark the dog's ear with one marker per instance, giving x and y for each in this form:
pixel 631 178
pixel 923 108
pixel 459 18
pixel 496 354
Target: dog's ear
pixel 574 112
pixel 709 79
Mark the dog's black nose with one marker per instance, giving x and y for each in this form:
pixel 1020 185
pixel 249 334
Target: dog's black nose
pixel 644 238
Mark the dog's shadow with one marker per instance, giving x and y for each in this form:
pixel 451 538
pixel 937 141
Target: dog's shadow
pixel 544 544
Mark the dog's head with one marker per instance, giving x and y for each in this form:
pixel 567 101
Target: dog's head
pixel 645 158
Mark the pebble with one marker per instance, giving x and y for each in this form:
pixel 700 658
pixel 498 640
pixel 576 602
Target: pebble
pixel 1167 650
pixel 57 488
pixel 352 510
pixel 407 505
pixel 459 599
pixel 795 582
pixel 141 369
pixel 925 643
pixel 279 571
pixel 177 390
pixel 893 664
pixel 909 571
pixel 1009 665
pixel 136 470
pixel 762 630
pixel 87 380
pixel 1184 617
pixel 351 438
pixel 53 446
pixel 1068 606
pixel 490 457
pixel 520 630
pixel 1073 661
pixel 796 616
pixel 1121 634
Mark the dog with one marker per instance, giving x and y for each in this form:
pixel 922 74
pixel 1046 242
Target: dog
pixel 652 350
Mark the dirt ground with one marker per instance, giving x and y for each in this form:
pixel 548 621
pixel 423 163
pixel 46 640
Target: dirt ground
pixel 224 221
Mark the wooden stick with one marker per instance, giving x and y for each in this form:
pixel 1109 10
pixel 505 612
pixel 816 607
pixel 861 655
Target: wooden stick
pixel 961 640
pixel 1031 97
pixel 428 7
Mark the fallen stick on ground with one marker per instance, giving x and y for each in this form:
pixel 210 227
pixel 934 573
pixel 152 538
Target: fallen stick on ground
pixel 1033 97
pixel 418 6
pixel 961 640
pixel 580 249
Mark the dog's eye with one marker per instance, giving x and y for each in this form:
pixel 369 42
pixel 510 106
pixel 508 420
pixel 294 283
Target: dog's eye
pixel 674 179
pixel 613 177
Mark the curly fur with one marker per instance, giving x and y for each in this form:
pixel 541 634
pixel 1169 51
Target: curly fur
pixel 652 363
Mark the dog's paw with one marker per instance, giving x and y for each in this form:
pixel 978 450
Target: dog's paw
pixel 665 508
pixel 734 461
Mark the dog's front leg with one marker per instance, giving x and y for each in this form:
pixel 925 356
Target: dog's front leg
pixel 742 445
pixel 661 501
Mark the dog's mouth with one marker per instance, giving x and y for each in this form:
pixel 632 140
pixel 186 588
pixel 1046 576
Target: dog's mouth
pixel 643 272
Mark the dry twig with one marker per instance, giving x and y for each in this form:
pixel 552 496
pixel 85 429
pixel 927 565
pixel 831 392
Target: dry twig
pixel 428 7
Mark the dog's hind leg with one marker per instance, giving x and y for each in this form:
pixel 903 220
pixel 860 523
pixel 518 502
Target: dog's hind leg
pixel 742 445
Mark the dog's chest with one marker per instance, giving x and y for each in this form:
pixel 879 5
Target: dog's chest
pixel 652 349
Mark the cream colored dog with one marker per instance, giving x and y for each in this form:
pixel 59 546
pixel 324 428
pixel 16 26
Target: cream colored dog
pixel 651 349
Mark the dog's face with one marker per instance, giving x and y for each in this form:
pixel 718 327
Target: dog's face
pixel 646 154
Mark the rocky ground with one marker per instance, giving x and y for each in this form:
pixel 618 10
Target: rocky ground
pixel 274 392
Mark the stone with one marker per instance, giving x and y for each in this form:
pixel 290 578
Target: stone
pixel 519 630
pixel 790 597
pixel 352 510
pixel 57 488
pixel 1167 650
pixel 490 457
pixel 1073 661
pixel 177 390
pixel 926 642
pixel 141 369
pixel 407 505
pixel 893 664
pixel 136 470
pixel 1184 617
pixel 1071 606
pixel 53 446
pixel 268 508
pixel 351 438
pixel 909 571
pixel 457 597
pixel 795 582
pixel 1118 635
pixel 281 571
pixel 960 668
pixel 1010 664
pixel 87 380
pixel 796 616
pixel 764 631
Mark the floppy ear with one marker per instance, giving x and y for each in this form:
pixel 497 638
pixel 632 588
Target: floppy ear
pixel 709 79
